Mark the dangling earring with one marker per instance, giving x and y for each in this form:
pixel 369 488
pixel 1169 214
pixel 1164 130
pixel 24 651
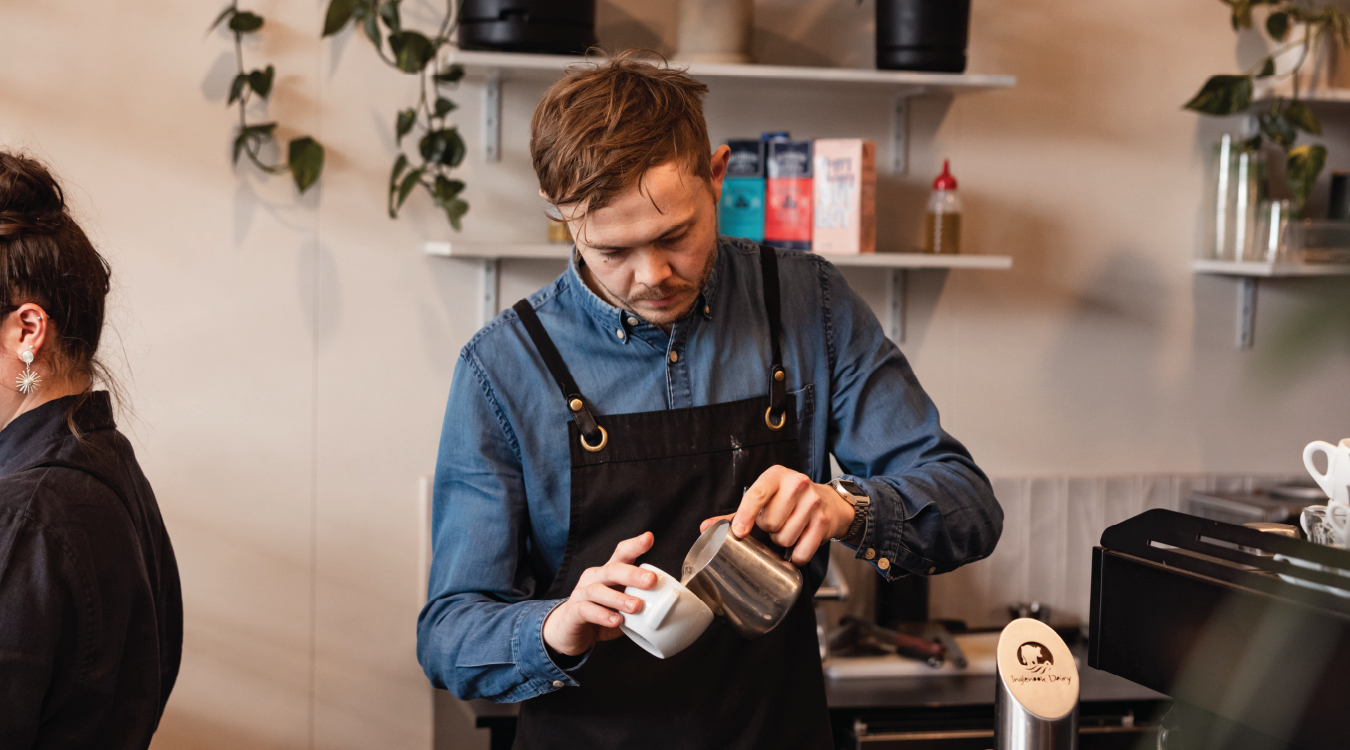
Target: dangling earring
pixel 29 380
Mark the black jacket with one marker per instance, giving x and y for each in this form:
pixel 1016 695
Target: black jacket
pixel 91 612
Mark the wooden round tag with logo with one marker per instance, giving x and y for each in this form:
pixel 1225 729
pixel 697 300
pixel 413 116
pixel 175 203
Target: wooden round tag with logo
pixel 1038 668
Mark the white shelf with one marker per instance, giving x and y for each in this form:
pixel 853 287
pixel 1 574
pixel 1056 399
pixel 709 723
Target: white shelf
pixel 493 68
pixel 1270 270
pixel 520 65
pixel 1265 92
pixel 1248 272
pixel 557 251
pixel 492 253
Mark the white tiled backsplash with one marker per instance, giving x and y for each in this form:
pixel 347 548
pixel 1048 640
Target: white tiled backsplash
pixel 1050 526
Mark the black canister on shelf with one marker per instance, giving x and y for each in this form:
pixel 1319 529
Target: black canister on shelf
pixel 923 35
pixel 1339 207
pixel 557 27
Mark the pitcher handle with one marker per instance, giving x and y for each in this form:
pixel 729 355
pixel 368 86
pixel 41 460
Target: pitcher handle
pixel 1323 480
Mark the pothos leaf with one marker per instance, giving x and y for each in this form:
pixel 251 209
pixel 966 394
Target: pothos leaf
pixel 1267 68
pixel 339 13
pixel 261 81
pixel 1302 117
pixel 1242 14
pixel 372 26
pixel 409 182
pixel 451 74
pixel 255 134
pixel 240 141
pixel 454 211
pixel 237 88
pixel 412 50
pixel 444 106
pixel 245 22
pixel 224 14
pixel 1223 95
pixel 406 119
pixel 445 189
pixel 1277 129
pixel 1277 25
pixel 442 147
pixel 305 159
pixel 1302 166
pixel 389 14
pixel 399 165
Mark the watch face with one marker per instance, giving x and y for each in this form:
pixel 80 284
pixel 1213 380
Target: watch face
pixel 851 487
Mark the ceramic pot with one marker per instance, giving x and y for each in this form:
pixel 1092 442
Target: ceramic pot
pixel 715 31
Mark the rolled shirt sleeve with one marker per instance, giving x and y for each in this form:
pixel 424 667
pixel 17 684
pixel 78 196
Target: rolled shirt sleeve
pixel 480 634
pixel 932 509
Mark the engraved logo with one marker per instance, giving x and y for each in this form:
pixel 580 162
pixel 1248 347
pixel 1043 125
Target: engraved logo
pixel 1035 657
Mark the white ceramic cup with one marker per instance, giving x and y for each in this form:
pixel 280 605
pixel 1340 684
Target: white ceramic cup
pixel 1336 480
pixel 672 617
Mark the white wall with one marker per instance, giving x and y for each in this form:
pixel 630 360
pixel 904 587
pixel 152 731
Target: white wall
pixel 288 357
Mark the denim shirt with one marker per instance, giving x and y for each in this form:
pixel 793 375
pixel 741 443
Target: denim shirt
pixel 501 497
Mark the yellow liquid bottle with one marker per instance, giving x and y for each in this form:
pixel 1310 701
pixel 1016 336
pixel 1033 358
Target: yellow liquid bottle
pixel 942 228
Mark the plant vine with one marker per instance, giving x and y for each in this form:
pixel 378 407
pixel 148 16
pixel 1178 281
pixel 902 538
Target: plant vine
pixel 304 157
pixel 1232 94
pixel 440 146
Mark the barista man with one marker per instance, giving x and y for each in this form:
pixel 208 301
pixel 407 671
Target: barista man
pixel 609 417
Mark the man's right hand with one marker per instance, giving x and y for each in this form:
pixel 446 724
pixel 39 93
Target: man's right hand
pixel 594 611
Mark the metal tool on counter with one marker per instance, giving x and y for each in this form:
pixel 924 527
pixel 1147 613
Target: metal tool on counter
pixel 861 635
pixel 1036 691
pixel 742 580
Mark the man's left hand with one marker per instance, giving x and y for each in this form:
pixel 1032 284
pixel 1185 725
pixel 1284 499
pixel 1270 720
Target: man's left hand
pixel 796 512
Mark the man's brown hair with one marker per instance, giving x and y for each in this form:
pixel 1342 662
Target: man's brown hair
pixel 600 128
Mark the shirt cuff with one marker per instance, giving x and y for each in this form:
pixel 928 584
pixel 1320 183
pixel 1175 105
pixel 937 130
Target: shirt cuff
pixel 532 658
pixel 882 545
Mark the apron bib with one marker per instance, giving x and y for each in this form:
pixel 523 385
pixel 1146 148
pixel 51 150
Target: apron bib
pixel 665 472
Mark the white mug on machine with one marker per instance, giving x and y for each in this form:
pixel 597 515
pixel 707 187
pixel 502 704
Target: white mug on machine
pixel 1336 480
pixel 672 617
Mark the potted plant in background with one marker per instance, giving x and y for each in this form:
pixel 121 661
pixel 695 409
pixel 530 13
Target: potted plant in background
pixel 1299 32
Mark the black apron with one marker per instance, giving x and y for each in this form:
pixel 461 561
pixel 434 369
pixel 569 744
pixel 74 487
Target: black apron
pixel 665 472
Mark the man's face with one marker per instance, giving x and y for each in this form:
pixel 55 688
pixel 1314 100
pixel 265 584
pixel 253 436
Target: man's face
pixel 651 249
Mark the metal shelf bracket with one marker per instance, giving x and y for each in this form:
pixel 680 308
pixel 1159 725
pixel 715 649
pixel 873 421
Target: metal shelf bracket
pixel 492 118
pixel 1246 312
pixel 896 281
pixel 900 129
pixel 488 286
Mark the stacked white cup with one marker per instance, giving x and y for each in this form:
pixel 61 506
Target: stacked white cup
pixel 1329 523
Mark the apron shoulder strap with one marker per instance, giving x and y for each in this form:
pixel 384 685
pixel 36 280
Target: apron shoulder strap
pixel 593 436
pixel 768 266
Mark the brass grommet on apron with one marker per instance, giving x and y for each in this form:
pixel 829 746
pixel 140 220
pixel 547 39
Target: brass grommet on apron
pixel 604 438
pixel 768 419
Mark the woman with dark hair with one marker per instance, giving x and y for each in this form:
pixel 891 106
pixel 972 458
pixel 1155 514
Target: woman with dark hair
pixel 91 613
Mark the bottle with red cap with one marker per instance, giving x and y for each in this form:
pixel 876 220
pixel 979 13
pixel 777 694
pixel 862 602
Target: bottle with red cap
pixel 942 230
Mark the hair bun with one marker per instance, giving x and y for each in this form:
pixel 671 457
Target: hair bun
pixel 30 200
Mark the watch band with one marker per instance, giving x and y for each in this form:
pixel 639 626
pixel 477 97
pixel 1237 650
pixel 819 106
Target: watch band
pixel 862 504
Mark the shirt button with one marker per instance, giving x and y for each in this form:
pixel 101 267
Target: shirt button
pixel 871 553
pixel 674 357
pixel 707 309
pixel 619 333
pixel 632 321
pixel 558 683
pixel 883 563
pixel 932 570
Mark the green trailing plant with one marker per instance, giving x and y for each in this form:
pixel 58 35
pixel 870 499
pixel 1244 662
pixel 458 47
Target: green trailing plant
pixel 1280 124
pixel 439 144
pixel 304 155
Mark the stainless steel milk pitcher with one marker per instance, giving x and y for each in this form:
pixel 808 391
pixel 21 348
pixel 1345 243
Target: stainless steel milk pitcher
pixel 741 579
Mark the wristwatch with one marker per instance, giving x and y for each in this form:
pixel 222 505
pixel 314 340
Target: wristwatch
pixel 857 497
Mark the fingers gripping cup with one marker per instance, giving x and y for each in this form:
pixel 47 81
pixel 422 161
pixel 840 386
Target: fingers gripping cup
pixel 671 617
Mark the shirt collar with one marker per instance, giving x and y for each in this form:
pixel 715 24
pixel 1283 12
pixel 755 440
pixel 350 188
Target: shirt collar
pixel 36 434
pixel 613 318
